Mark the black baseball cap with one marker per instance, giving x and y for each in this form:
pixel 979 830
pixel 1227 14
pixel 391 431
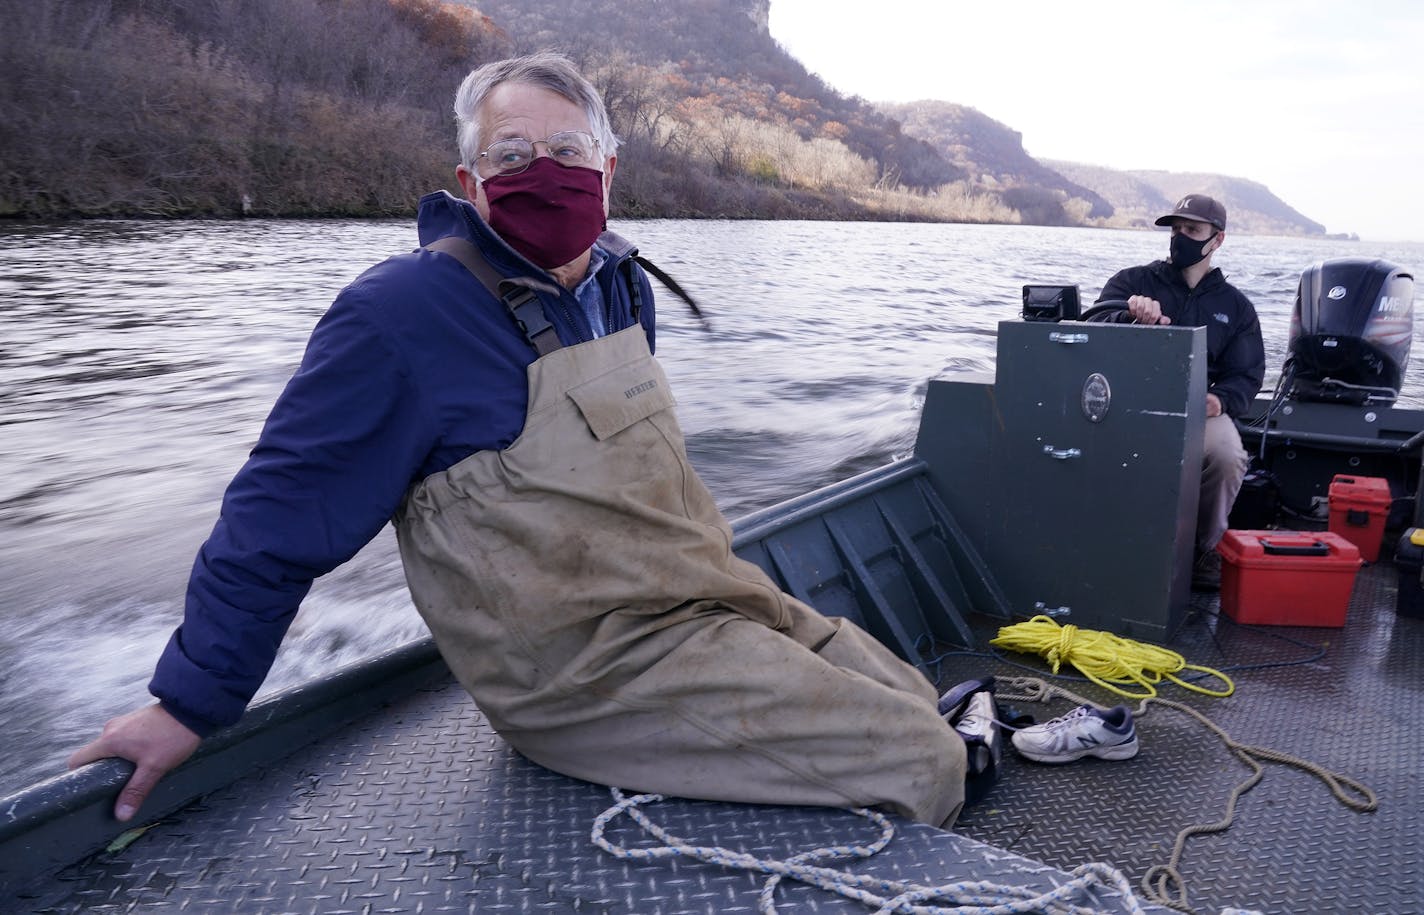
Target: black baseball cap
pixel 1199 207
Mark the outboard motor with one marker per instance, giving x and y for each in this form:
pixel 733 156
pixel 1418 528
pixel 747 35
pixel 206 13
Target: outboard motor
pixel 1350 332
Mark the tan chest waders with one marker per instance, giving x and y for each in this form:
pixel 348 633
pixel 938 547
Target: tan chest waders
pixel 582 587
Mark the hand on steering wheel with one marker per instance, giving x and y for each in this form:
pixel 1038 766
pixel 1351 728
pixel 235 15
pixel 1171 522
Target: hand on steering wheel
pixel 1107 310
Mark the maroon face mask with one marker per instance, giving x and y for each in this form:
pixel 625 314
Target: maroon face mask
pixel 549 213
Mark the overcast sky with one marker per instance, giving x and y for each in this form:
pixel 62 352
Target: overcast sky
pixel 1322 102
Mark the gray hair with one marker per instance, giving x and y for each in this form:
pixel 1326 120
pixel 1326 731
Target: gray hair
pixel 545 70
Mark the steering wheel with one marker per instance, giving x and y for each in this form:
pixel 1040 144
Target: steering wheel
pixel 1105 311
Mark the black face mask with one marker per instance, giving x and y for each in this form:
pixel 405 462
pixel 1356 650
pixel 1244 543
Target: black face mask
pixel 1188 251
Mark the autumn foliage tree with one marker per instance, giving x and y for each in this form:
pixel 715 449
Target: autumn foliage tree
pixel 163 107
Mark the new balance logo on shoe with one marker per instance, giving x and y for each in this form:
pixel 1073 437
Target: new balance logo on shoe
pixel 1085 731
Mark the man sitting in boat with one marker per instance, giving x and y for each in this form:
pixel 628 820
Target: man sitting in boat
pixel 1187 290
pixel 573 568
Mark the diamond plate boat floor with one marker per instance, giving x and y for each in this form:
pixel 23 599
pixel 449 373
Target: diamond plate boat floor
pixel 1356 708
pixel 422 808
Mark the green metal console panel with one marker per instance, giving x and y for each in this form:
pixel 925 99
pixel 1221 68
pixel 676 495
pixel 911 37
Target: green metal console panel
pixel 1076 473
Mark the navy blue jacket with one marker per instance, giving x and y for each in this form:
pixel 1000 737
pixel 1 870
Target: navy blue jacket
pixel 1235 355
pixel 413 368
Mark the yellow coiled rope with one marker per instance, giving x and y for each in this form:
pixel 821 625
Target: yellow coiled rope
pixel 1104 658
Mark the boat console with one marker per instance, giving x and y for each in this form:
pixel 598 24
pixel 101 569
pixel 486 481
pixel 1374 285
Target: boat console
pixel 1075 469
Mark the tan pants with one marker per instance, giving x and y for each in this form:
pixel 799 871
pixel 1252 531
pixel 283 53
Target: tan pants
pixel 1224 463
pixel 582 587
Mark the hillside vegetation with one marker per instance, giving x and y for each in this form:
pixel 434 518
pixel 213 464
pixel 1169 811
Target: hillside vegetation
pixel 341 107
pixel 994 154
pixel 1139 197
pixel 216 107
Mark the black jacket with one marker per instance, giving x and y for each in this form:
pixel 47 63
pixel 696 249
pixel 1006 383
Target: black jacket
pixel 1235 356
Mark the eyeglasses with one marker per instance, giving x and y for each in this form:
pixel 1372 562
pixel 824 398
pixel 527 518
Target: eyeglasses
pixel 568 148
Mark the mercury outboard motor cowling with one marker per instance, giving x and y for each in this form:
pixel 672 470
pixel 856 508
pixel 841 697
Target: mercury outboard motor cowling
pixel 1350 331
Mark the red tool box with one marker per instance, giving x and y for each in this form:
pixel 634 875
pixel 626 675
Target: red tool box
pixel 1359 507
pixel 1287 578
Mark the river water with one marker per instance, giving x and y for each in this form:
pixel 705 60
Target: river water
pixel 138 360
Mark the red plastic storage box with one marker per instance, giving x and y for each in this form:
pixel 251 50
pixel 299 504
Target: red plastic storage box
pixel 1359 507
pixel 1287 578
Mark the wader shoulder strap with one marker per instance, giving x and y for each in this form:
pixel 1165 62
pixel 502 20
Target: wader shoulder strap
pixel 517 294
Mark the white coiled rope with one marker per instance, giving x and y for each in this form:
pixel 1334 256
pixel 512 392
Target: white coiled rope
pixel 973 897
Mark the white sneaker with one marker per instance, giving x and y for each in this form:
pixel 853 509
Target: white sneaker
pixel 1085 731
pixel 969 709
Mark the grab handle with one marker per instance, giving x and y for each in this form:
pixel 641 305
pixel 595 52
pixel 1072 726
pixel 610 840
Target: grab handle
pixel 1318 548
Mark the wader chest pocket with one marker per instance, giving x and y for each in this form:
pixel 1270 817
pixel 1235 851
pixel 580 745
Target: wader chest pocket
pixel 611 403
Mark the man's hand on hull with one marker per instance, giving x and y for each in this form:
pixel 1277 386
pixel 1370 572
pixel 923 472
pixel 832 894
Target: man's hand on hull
pixel 150 738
